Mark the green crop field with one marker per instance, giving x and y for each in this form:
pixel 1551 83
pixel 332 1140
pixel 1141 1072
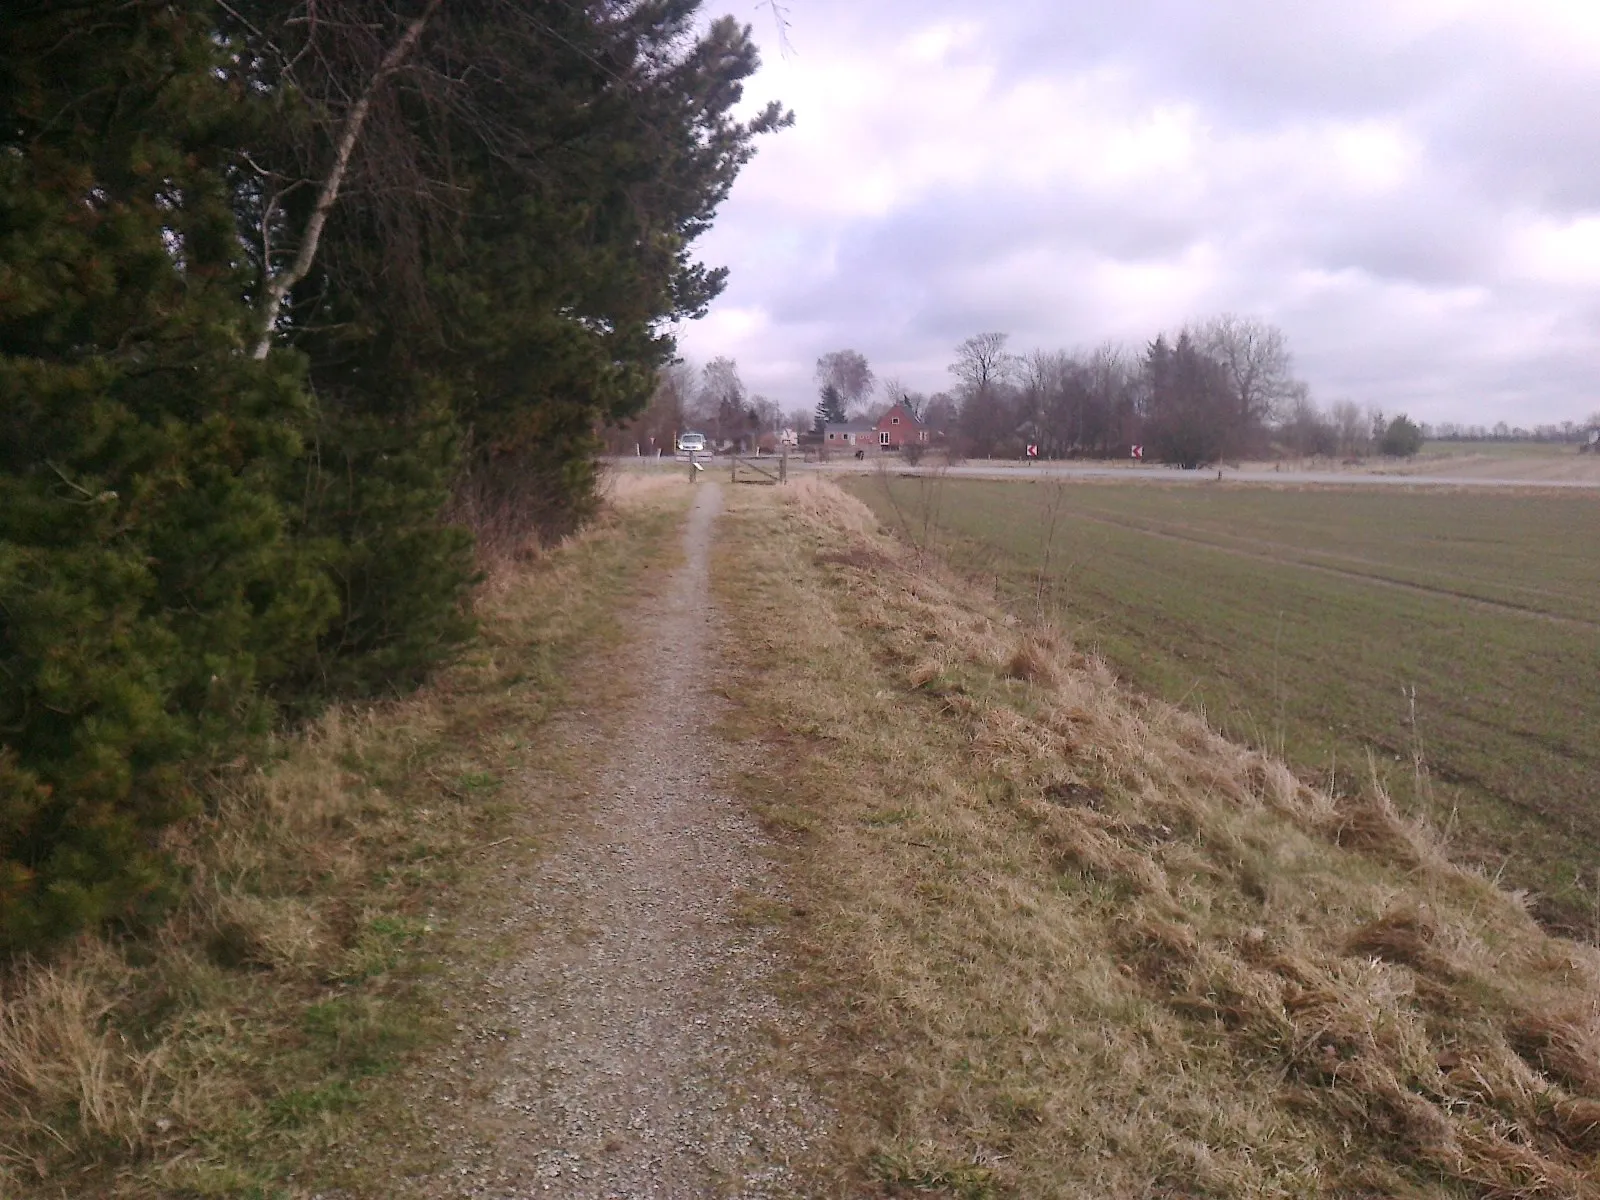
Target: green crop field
pixel 1344 628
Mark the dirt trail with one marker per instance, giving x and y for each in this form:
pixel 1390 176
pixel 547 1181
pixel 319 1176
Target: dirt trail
pixel 642 1035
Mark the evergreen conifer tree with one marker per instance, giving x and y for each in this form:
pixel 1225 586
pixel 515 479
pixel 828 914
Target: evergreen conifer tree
pixel 189 543
pixel 149 585
pixel 830 408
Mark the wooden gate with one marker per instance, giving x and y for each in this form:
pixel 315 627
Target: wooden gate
pixel 746 469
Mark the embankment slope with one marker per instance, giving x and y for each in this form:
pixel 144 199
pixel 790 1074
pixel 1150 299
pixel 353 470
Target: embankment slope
pixel 1073 943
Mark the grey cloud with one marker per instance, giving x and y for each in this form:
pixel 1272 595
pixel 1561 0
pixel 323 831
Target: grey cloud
pixel 1259 63
pixel 1405 295
pixel 1533 140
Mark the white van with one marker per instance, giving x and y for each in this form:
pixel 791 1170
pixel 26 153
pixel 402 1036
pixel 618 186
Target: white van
pixel 691 443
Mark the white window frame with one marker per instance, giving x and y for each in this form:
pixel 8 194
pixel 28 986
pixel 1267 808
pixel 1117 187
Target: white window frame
pixel 883 437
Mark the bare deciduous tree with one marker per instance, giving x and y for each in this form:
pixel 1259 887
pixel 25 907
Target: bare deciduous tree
pixel 765 413
pixel 982 361
pixel 1351 426
pixel 1188 397
pixel 721 403
pixel 896 392
pixel 666 416
pixel 939 413
pixel 847 372
pixel 800 419
pixel 1255 358
pixel 1305 429
pixel 984 367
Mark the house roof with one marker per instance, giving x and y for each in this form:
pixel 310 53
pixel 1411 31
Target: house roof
pixel 911 417
pixel 850 427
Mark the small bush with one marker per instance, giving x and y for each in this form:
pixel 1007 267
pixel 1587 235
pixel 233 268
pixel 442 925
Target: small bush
pixel 1402 438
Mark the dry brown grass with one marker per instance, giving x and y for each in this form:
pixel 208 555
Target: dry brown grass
pixel 1076 944
pixel 233 1048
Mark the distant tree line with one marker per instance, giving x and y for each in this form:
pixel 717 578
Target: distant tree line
pixel 1564 432
pixel 1224 389
pixel 297 299
pixel 1220 390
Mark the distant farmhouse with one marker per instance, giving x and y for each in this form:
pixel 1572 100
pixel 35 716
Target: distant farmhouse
pixel 849 435
pixel 891 432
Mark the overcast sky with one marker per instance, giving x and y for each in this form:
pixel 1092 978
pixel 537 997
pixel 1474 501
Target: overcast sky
pixel 1410 189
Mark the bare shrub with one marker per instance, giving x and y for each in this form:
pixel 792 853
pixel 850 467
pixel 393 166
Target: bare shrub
pixel 517 505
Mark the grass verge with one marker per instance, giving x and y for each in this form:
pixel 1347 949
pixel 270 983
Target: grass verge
pixel 235 1051
pixel 1074 943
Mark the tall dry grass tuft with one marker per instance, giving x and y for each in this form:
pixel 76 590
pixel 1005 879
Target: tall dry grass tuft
pixel 112 1052
pixel 61 1062
pixel 1033 661
pixel 1562 1045
pixel 1082 942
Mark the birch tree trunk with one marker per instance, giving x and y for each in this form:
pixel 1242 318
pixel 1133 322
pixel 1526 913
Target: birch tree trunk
pixel 278 287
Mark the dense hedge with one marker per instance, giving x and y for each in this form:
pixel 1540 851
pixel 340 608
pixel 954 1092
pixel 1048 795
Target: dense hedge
pixel 196 543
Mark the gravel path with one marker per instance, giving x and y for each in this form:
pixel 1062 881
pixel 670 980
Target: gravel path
pixel 642 1042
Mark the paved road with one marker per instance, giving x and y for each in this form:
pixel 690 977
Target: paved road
pixel 1155 474
pixel 1141 474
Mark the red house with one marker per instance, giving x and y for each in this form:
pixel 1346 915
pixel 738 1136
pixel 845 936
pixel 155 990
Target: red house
pixel 898 427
